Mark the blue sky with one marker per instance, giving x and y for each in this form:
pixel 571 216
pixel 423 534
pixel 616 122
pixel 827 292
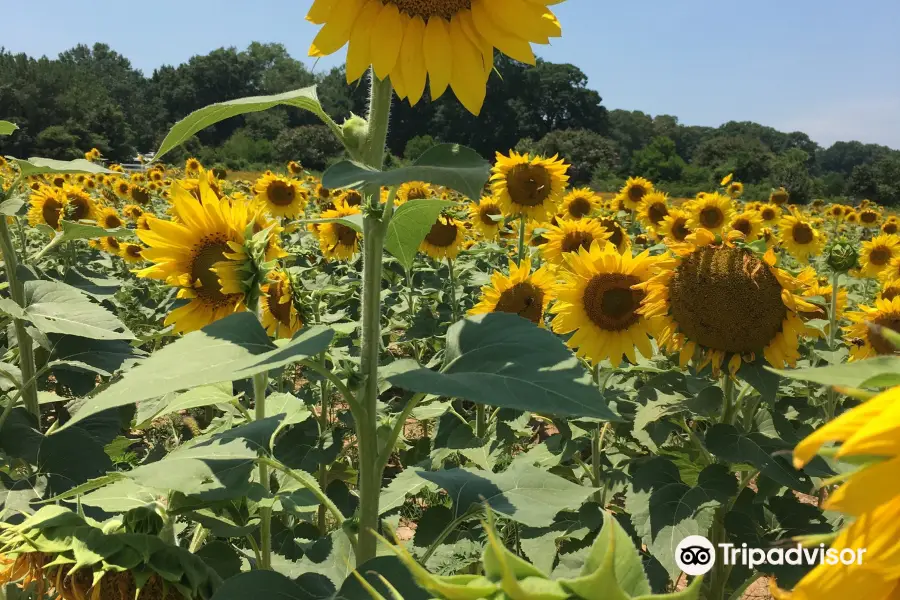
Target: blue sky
pixel 830 68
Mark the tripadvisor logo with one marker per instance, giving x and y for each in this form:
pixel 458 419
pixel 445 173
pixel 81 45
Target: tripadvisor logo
pixel 696 555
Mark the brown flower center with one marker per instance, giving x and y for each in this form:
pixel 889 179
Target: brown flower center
pixel 432 8
pixel 767 214
pixel 610 303
pixel 657 212
pixel 743 225
pixel 50 211
pixel 201 269
pixel 140 195
pixel 868 217
pixel 727 299
pixel 442 234
pixel 486 211
pixel 281 193
pixel 618 236
pixel 528 185
pixel 680 230
pixel 880 256
pixel 889 228
pixel 133 250
pixel 346 236
pixel 352 198
pixel 574 240
pixel 711 217
pixel 523 299
pixel 802 233
pixel 281 311
pixel 637 192
pixel 111 221
pixel 880 343
pixel 579 207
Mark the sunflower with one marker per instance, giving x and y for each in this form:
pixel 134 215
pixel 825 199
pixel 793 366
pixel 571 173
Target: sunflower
pixel 414 190
pixel 813 288
pixel 143 221
pixel 865 341
pixel 192 165
pixel 139 194
pixel 534 233
pixel 262 222
pixel 444 239
pixel 279 315
pixel 891 272
pixel 197 256
pixel 800 237
pixel 122 188
pixel 568 236
pixel 408 40
pixel 350 197
pixel 338 241
pixel 281 196
pixel 110 245
pixel 618 236
pixel 633 192
pixel 712 212
pixel 482 216
pixel 779 197
pixel 47 204
pixel 90 184
pixel 770 214
pixel 294 168
pixel 79 204
pixel 132 211
pixel 674 225
pixel 322 192
pixel 598 300
pixel 108 218
pixel 852 217
pixel 725 303
pixel 58 181
pixel 653 209
pixel 735 189
pixel 869 217
pixel 749 223
pixel 891 225
pixel 527 186
pixel 522 292
pixel 889 290
pixel 726 180
pixel 580 203
pixel 836 211
pixel 876 254
pixel 132 253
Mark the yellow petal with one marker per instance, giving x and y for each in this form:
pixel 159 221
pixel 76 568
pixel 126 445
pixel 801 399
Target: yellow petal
pixel 319 11
pixel 359 56
pixel 437 58
pixel 412 59
pixel 518 18
pixel 385 46
pixel 467 79
pixel 508 44
pixel 336 32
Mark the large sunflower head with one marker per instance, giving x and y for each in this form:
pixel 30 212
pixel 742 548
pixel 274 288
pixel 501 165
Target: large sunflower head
pixel 865 340
pixel 891 226
pixel 277 308
pixel 869 217
pixel 876 254
pixel 527 186
pixel 779 197
pixel 521 292
pixel 282 197
pixel 294 168
pixel 139 194
pixel 338 241
pixel 132 211
pixel 192 166
pixel 569 237
pixel 108 218
pixel 409 40
pixel 47 204
pixel 618 236
pixel 131 253
pixel 713 212
pixel 674 226
pixel 580 203
pixel 724 302
pixel 486 217
pixel 444 239
pixel 202 255
pixel 414 190
pixel 800 237
pixel 748 223
pixel 735 189
pixel 836 211
pixel 653 209
pixel 770 214
pixel 633 192
pixel 79 204
pixel 598 301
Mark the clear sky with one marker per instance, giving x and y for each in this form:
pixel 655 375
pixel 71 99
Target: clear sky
pixel 830 68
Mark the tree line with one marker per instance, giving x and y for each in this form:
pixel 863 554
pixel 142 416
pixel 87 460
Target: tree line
pixel 93 97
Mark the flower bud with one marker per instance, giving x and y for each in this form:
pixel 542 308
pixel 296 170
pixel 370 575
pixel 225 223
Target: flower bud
pixel 841 255
pixel 355 129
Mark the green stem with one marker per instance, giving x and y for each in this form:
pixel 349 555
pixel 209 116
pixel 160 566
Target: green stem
pixel 26 351
pixel 397 431
pixel 411 300
pixel 379 113
pixel 831 399
pixel 443 535
pixel 260 382
pixel 201 533
pixel 310 484
pixel 728 392
pixel 521 253
pixel 349 397
pixel 454 309
pixel 323 468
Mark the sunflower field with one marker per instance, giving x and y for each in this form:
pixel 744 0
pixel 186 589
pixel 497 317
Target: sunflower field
pixel 457 379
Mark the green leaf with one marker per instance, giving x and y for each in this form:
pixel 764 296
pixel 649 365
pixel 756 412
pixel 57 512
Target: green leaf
pixel 354 222
pixel 6 128
pixel 205 395
pixel 727 443
pixel 408 227
pixel 120 496
pixel 665 510
pixel 449 165
pixel 331 556
pixel 877 372
pixel 262 584
pixel 407 483
pixel 221 557
pixel 523 493
pixel 38 166
pixel 390 568
pixel 763 380
pixel 83 231
pixel 54 307
pixel 236 347
pixel 503 360
pixel 71 458
pixel 305 99
pixel 289 405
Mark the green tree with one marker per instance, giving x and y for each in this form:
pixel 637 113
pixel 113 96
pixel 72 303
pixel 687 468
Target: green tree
pixel 659 161
pixel 584 151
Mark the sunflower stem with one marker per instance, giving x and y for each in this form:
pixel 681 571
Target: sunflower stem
pixel 412 309
pixel 260 382
pixel 17 291
pixel 323 427
pixel 379 116
pixel 831 397
pixel 454 309
pixel 521 253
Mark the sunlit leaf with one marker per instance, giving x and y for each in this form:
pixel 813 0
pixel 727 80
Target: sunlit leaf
pixel 408 227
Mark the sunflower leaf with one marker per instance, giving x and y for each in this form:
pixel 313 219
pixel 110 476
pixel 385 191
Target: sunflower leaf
pixel 878 372
pixel 233 348
pixel 503 360
pixel 38 166
pixel 449 165
pixel 54 307
pixel 262 584
pixel 85 231
pixel 200 119
pixel 410 224
pixel 6 128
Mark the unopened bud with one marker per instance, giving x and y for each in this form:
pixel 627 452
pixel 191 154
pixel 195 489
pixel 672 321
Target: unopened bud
pixel 355 129
pixel 842 255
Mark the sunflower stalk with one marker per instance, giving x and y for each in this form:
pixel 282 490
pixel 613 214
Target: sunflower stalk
pixel 17 291
pixel 831 398
pixel 521 251
pixel 260 382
